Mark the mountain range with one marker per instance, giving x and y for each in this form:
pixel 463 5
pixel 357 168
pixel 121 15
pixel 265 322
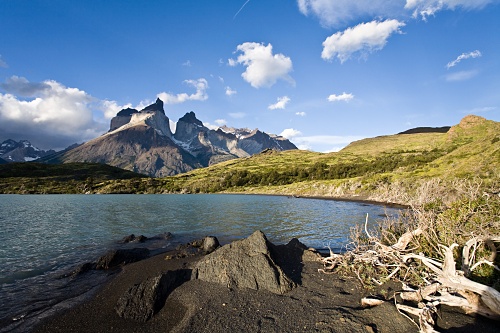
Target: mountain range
pixel 22 151
pixel 142 141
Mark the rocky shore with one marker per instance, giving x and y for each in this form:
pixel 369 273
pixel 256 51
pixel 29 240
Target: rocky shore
pixel 250 285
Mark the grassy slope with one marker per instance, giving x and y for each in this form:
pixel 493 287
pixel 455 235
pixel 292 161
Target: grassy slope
pixel 470 149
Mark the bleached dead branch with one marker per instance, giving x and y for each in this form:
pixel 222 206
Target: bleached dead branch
pixel 444 284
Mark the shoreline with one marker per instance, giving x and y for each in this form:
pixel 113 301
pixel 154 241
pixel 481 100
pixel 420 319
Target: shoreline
pixel 319 302
pixel 358 199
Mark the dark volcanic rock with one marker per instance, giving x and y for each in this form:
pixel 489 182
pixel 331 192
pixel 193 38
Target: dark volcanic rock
pixel 134 239
pixel 121 257
pixel 143 300
pixel 246 263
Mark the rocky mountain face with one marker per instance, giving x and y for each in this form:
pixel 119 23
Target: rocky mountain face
pixel 22 151
pixel 141 141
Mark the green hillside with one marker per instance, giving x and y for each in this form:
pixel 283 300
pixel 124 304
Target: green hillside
pixel 365 168
pixel 470 149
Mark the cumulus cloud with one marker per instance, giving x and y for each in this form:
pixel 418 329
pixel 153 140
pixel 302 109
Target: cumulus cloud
pixel 201 85
pixel 426 8
pixel 463 56
pixel 461 76
pixel 230 92
pixel 341 12
pixel 55 116
pixel 111 108
pixel 342 97
pixel 187 63
pixel 20 86
pixel 364 38
pixel 336 13
pixel 290 133
pixel 263 68
pixel 218 123
pixel 3 64
pixel 302 114
pixel 280 104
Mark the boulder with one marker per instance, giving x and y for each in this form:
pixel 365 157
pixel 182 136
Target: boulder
pixel 134 239
pixel 143 300
pixel 207 244
pixel 246 263
pixel 120 257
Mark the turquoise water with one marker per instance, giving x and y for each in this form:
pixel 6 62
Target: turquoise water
pixel 44 236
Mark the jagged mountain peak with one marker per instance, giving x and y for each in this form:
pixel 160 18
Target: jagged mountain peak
pixel 190 117
pixel 141 141
pixel 126 112
pixel 156 106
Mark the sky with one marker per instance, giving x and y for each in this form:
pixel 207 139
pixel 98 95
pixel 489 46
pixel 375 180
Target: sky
pixel 322 73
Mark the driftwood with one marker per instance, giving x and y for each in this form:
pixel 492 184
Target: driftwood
pixel 444 283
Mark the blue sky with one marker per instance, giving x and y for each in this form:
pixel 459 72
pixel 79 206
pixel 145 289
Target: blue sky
pixel 321 72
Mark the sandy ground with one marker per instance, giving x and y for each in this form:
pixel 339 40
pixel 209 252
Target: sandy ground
pixel 320 303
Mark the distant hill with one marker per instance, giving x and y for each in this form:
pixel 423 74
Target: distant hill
pixel 416 130
pixel 141 141
pixel 76 171
pixel 38 178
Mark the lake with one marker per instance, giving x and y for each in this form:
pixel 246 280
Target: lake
pixel 45 236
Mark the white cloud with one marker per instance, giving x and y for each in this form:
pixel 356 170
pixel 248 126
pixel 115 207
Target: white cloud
pixel 302 114
pixel 280 104
pixel 461 76
pixel 342 12
pixel 343 97
pixel 473 54
pixel 218 123
pixel 230 92
pixel 210 126
pixel 20 86
pixel 221 122
pixel 263 68
pixel 237 115
pixel 337 13
pixel 201 86
pixel 3 64
pixel 364 38
pixel 187 63
pixel 324 143
pixel 426 8
pixel 290 133
pixel 111 108
pixel 55 116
